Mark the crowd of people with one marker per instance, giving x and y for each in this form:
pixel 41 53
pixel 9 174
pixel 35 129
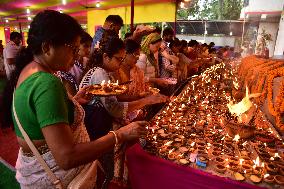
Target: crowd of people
pixel 71 128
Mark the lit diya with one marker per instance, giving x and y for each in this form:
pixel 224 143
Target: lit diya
pixel 246 168
pixel 268 178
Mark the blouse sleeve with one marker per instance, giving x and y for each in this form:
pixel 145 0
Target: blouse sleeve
pixel 51 102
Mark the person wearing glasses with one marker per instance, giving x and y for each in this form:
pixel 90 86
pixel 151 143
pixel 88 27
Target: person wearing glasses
pixel 72 78
pixel 106 113
pixel 129 72
pixel 106 61
pixel 52 119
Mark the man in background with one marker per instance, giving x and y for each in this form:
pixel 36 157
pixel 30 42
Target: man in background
pixel 10 52
pixel 112 22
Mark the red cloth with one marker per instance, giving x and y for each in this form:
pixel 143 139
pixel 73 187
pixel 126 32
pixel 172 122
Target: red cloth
pixel 151 172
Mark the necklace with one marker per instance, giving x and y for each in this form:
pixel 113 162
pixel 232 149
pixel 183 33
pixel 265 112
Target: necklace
pixel 45 67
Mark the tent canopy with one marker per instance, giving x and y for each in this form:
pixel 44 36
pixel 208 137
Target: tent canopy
pixel 16 11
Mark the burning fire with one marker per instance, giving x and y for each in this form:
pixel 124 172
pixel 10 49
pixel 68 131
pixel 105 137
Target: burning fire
pixel 240 108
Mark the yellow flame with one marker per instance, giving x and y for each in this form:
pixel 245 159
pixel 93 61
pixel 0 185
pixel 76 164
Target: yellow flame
pixel 155 137
pixel 168 143
pixel 256 161
pixel 266 175
pixel 243 106
pixel 237 137
pixel 171 151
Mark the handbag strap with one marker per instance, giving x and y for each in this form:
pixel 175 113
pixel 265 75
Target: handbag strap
pixel 51 175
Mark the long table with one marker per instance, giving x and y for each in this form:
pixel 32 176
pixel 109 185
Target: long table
pixel 151 172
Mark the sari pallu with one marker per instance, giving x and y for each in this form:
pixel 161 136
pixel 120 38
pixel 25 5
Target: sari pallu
pixel 30 173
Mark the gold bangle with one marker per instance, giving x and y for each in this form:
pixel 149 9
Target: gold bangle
pixel 115 136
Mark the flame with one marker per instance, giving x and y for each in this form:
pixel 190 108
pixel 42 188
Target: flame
pixel 116 82
pixel 236 85
pixel 243 106
pixel 237 137
pixel 171 151
pixel 276 155
pixel 266 175
pixel 108 82
pixel 241 161
pixel 103 82
pixel 262 164
pixel 168 143
pixel 256 161
pixel 155 137
pixel 192 144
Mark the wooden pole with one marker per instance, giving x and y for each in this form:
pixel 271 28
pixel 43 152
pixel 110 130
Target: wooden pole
pixel 132 16
pixel 175 24
pixel 243 32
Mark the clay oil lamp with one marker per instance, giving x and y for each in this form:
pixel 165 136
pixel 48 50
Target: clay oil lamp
pixel 219 160
pixel 257 170
pixel 176 144
pixel 271 168
pixel 246 168
pixel 255 179
pixel 265 156
pixel 279 179
pixel 193 147
pixel 281 171
pixel 271 149
pixel 235 160
pixel 200 143
pixel 163 152
pixel 220 168
pixel 216 153
pixel 244 153
pixel 234 166
pixel 172 155
pixel 184 161
pixel 183 149
pixel 248 162
pixel 239 177
pixel 268 178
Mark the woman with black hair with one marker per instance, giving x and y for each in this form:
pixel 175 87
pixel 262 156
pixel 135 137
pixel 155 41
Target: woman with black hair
pixel 106 61
pixel 52 119
pixel 72 78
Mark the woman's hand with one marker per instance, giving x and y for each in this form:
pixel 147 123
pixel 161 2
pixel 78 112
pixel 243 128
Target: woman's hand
pixel 82 97
pixel 132 131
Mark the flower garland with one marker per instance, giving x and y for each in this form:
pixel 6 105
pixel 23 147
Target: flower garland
pixel 276 73
pixel 279 107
